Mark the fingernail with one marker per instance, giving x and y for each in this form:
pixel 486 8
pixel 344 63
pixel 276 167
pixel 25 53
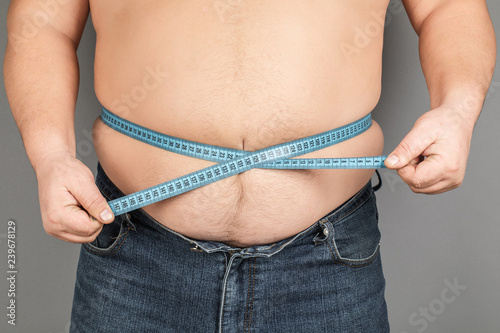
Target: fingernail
pixel 106 215
pixel 392 160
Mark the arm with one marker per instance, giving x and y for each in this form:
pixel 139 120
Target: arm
pixel 458 53
pixel 41 78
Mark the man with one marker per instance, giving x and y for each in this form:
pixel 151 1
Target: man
pixel 265 250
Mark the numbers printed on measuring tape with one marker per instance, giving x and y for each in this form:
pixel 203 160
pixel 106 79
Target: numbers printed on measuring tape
pixel 233 161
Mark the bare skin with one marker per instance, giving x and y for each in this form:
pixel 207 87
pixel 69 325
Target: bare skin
pixel 245 77
pixel 248 75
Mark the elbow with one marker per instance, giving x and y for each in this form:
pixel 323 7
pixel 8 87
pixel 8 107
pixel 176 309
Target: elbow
pixel 30 26
pixel 427 15
pixel 22 26
pixel 21 16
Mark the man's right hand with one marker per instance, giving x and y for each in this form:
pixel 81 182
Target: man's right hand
pixel 71 205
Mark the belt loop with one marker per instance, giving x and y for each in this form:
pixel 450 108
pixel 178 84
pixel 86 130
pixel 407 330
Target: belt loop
pixel 379 185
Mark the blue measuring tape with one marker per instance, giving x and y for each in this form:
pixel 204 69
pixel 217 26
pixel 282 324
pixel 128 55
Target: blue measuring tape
pixel 234 161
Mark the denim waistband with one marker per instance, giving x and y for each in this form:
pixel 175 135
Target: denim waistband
pixel 111 191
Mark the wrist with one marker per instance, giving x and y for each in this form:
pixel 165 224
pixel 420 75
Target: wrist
pixel 43 158
pixel 465 105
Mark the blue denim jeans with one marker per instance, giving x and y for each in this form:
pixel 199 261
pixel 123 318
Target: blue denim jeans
pixel 139 276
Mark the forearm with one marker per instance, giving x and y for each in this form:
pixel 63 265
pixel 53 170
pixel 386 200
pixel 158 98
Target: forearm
pixel 458 53
pixel 41 78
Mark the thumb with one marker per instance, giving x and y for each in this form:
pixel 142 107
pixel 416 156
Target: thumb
pixel 409 150
pixel 91 199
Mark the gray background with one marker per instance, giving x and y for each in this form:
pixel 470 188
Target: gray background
pixel 425 239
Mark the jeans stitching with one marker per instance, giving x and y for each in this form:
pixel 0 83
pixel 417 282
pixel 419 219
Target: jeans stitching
pixel 105 253
pixel 346 261
pixel 223 302
pixel 331 252
pixel 354 262
pixel 116 244
pixel 253 293
pixel 352 210
pixel 251 287
pixel 293 238
pixel 248 296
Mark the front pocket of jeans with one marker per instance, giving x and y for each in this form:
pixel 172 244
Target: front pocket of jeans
pixel 111 237
pixel 355 241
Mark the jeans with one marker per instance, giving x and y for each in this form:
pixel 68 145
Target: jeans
pixel 139 276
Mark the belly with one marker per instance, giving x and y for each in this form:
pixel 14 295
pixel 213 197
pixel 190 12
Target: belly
pixel 244 76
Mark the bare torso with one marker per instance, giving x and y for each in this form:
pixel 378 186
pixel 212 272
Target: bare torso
pixel 244 75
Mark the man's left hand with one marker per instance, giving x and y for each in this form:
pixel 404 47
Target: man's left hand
pixel 432 157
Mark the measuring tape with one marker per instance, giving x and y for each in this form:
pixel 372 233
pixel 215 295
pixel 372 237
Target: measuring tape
pixel 234 161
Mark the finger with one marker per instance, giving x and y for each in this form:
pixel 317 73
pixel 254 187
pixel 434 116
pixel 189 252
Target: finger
pixel 424 174
pixel 440 187
pixel 410 148
pixel 416 160
pixel 88 195
pixel 73 219
pixel 73 238
pixel 408 171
